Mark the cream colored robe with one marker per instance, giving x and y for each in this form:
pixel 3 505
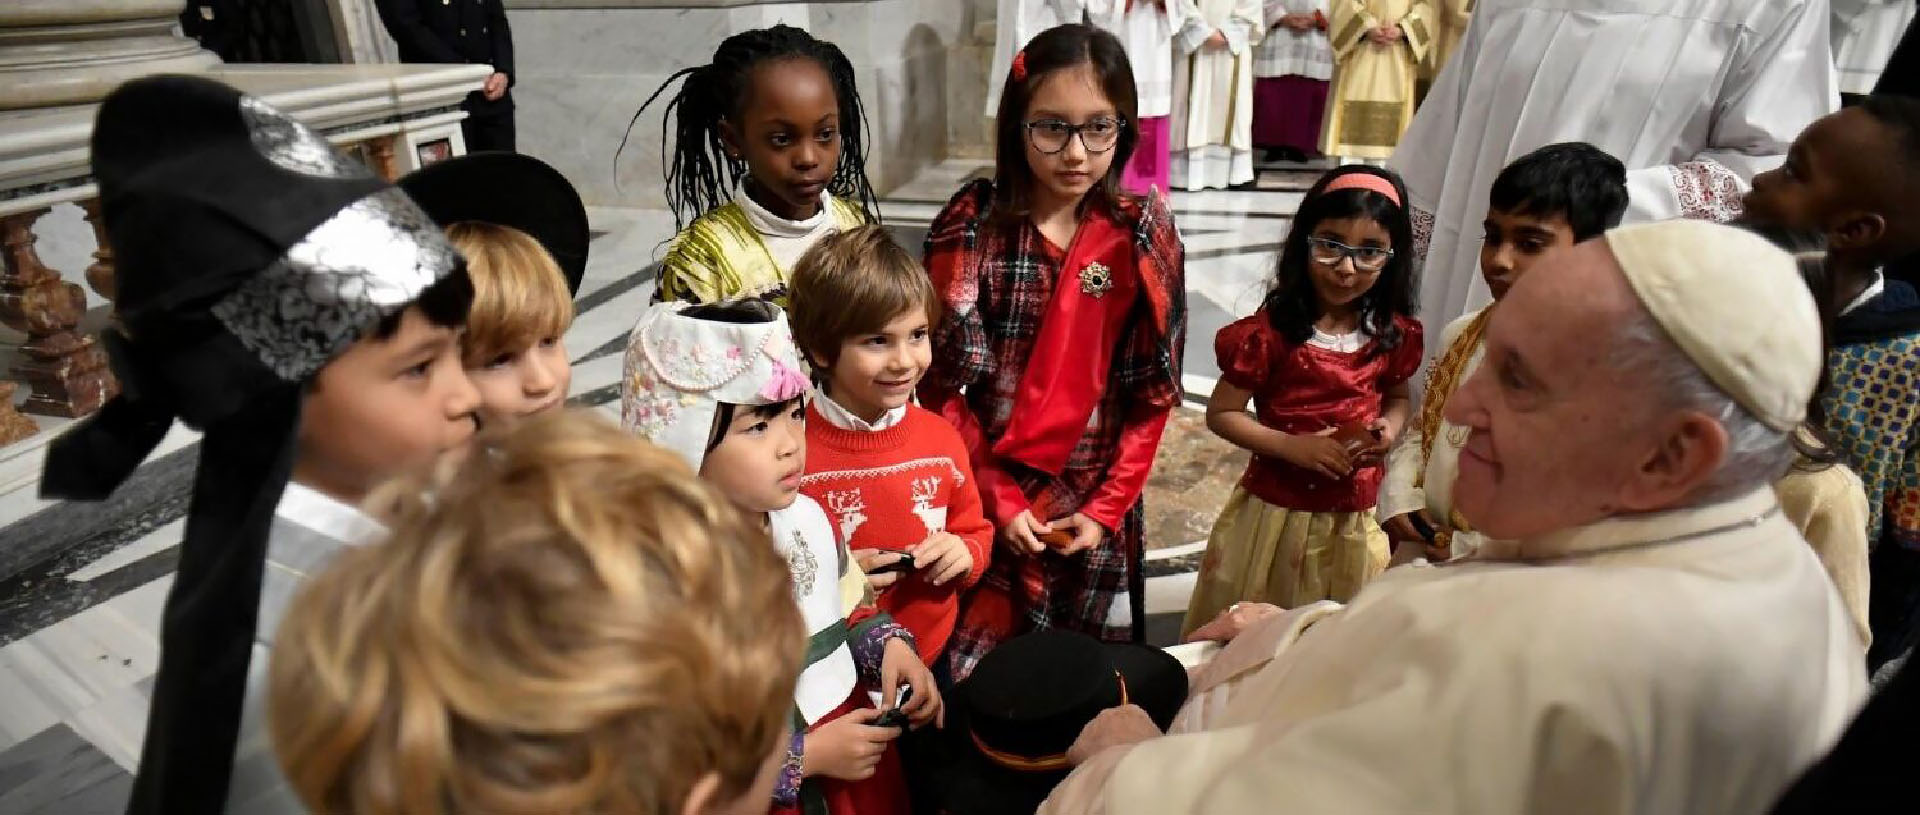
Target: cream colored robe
pixel 1695 672
pixel 1372 99
pixel 1829 507
pixel 1212 127
pixel 1450 18
pixel 1398 495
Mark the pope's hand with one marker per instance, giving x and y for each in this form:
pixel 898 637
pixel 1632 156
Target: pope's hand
pixel 1114 727
pixel 1231 623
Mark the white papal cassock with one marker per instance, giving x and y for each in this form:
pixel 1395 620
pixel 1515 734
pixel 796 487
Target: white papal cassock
pixel 1694 95
pixel 1684 662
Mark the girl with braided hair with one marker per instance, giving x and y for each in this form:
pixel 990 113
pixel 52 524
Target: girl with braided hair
pixel 767 157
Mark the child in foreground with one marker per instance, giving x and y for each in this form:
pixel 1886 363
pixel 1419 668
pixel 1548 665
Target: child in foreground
pixel 1325 364
pixel 305 315
pixel 722 386
pixel 587 626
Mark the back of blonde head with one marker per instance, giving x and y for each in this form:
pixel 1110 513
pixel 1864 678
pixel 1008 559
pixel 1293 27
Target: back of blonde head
pixel 566 622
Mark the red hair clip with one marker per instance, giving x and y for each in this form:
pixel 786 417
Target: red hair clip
pixel 1020 66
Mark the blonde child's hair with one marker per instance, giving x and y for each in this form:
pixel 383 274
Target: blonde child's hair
pixel 520 296
pixel 567 621
pixel 850 283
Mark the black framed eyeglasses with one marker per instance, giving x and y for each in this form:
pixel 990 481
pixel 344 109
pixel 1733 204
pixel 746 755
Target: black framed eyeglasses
pixel 1365 258
pixel 1050 136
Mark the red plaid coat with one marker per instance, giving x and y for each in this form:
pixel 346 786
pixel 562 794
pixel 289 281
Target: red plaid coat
pixel 995 280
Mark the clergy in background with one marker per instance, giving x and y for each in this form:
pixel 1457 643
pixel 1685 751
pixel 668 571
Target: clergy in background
pixel 1377 48
pixel 1213 94
pixel 1864 34
pixel 1015 23
pixel 1648 635
pixel 1292 70
pixel 1450 18
pixel 1145 28
pixel 1694 95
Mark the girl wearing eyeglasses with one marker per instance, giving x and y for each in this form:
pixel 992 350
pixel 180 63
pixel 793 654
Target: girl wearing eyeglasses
pixel 1325 364
pixel 1063 318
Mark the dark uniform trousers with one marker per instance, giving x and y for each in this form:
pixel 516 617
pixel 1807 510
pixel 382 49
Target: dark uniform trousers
pixel 461 31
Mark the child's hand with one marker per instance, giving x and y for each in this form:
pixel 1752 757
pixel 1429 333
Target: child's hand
pixel 943 556
pixel 1022 534
pixel 847 748
pixel 1383 434
pixel 870 559
pixel 901 664
pixel 1318 453
pixel 1087 533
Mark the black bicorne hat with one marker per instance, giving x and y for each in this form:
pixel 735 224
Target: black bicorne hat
pixel 249 253
pixel 508 189
pixel 1011 721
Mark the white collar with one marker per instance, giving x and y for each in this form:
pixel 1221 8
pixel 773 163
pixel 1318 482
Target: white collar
pixel 322 513
pixel 1635 531
pixel 844 419
pixel 1867 294
pixel 771 225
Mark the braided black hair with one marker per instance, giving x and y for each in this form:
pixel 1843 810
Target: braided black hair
pixel 715 91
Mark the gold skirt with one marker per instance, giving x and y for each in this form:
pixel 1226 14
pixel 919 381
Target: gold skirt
pixel 1261 553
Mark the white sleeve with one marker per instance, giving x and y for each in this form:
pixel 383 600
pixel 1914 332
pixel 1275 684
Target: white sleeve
pixel 1243 29
pixel 1190 30
pixel 1784 83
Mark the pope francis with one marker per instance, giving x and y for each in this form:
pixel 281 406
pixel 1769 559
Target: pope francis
pixel 1651 635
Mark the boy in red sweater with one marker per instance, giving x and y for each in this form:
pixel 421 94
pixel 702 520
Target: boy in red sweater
pixel 894 478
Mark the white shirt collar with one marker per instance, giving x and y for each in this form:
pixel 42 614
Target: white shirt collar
pixel 1867 294
pixel 771 225
pixel 322 513
pixel 844 419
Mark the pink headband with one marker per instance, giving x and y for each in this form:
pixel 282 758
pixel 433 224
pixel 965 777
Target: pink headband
pixel 1365 181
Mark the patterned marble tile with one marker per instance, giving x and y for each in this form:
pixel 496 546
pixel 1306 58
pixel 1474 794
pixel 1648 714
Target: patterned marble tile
pixel 57 772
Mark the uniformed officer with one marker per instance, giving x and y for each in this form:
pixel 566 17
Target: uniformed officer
pixel 472 31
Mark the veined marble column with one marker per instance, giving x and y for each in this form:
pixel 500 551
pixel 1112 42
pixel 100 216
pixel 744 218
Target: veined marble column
pixel 71 52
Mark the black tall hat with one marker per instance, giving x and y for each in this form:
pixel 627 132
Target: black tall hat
pixel 1010 722
pixel 249 254
pixel 508 189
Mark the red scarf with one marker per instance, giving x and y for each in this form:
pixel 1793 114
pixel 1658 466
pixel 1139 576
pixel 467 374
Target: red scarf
pixel 1073 353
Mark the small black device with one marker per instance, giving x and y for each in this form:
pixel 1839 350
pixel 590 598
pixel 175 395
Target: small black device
pixel 897 717
pixel 1421 526
pixel 903 564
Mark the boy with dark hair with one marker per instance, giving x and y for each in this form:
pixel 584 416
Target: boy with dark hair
pixel 1551 198
pixel 1853 175
pixel 304 315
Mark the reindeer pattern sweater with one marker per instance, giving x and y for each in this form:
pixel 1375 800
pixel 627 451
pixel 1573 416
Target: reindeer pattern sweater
pixel 889 489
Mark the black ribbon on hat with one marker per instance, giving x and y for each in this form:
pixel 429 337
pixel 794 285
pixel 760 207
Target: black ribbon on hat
pixel 207 629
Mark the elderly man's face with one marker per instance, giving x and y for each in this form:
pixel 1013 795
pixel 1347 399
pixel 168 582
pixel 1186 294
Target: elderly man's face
pixel 1550 417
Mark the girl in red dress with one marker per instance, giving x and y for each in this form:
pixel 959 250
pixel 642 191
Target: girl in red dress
pixel 1057 355
pixel 1325 362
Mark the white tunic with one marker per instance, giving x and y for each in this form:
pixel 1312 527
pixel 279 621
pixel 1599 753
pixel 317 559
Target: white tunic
pixel 1147 34
pixel 804 536
pixel 1864 34
pixel 1685 662
pixel 1017 22
pixel 1213 96
pixel 1286 52
pixel 1436 473
pixel 1695 96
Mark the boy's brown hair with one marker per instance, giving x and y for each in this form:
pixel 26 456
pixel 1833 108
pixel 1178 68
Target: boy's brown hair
pixel 850 283
pixel 520 296
pixel 567 621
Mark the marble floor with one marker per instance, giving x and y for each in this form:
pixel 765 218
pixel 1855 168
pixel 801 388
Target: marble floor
pixel 82 585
